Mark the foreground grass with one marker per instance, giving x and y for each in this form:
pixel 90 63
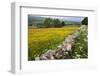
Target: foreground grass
pixel 41 40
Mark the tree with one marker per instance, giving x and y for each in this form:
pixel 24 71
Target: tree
pixel 63 23
pixel 30 25
pixel 56 23
pixel 47 22
pixel 85 21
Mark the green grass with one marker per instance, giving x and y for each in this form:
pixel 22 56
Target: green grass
pixel 41 40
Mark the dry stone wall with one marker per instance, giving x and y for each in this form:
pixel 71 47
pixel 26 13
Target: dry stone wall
pixel 63 51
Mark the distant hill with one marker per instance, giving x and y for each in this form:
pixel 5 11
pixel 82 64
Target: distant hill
pixel 72 22
pixel 38 21
pixel 35 19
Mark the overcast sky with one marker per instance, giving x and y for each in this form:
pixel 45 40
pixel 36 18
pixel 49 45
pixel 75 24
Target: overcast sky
pixel 67 18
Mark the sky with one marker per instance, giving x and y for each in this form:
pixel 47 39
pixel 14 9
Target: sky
pixel 67 18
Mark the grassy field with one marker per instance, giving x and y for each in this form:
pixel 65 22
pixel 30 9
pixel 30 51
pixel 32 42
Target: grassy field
pixel 41 40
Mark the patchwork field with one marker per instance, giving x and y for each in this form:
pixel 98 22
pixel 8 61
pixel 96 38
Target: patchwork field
pixel 41 40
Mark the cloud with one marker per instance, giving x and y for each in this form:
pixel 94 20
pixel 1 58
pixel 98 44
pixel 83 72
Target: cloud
pixel 69 18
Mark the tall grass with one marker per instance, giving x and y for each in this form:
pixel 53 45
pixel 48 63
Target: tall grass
pixel 41 40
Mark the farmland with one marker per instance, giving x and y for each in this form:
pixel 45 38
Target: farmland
pixel 40 40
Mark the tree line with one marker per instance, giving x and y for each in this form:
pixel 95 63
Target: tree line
pixel 49 22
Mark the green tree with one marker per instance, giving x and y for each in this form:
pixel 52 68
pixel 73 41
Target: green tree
pixel 47 22
pixel 63 23
pixel 56 23
pixel 30 25
pixel 85 21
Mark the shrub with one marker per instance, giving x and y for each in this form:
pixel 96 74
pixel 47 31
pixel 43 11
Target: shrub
pixel 80 48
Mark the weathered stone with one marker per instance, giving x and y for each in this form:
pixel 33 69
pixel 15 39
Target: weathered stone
pixel 64 50
pixel 37 58
pixel 43 57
